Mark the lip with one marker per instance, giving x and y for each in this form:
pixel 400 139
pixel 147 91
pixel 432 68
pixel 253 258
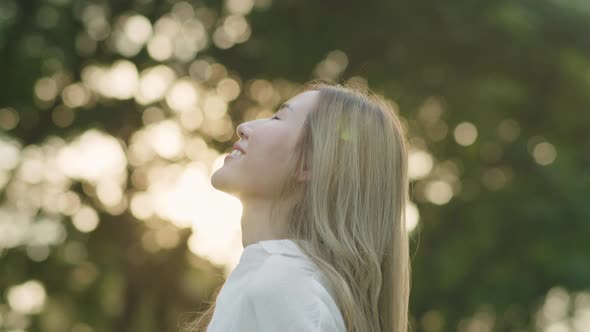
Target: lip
pixel 238 147
pixel 229 156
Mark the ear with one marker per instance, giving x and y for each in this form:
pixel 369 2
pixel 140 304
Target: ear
pixel 304 173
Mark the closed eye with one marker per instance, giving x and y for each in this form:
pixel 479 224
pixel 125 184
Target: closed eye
pixel 275 117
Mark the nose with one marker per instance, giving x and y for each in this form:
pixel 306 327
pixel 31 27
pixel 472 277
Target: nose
pixel 242 131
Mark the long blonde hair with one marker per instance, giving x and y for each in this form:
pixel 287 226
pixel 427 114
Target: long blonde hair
pixel 350 214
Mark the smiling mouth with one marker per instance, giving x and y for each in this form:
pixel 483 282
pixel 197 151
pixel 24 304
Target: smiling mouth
pixel 236 153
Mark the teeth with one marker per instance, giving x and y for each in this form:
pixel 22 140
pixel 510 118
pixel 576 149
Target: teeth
pixel 236 153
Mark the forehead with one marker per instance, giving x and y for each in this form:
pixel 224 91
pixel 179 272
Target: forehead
pixel 303 102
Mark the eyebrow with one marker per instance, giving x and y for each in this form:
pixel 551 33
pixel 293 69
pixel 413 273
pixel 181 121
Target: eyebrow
pixel 286 105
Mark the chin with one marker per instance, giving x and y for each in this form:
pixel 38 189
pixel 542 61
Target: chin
pixel 222 183
pixel 217 180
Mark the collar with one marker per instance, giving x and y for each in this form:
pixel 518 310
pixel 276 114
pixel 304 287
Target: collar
pixel 282 247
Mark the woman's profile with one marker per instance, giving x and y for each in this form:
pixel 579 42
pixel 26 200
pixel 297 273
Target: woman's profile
pixel 323 185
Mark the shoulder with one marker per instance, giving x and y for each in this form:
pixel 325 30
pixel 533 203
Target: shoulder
pixel 281 297
pixel 286 268
pixel 287 291
pixel 285 259
pixel 279 273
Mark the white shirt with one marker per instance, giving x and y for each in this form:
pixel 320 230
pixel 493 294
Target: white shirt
pixel 275 287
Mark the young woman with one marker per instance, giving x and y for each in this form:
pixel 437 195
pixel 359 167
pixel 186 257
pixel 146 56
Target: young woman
pixel 323 184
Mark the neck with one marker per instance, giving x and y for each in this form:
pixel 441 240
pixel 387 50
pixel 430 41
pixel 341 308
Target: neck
pixel 257 224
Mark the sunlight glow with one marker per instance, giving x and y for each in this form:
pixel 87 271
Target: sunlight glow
pixel 46 231
pixel 154 83
pixel 184 196
pixel 109 192
pixel 237 28
pixel 263 92
pixel 438 192
pixel 27 298
pixel 75 95
pixel 217 231
pixel 117 81
pixel 86 219
pixel 92 156
pixel 142 206
pixel 179 193
pixel 166 139
pixel 120 81
pixel 182 96
pixel 10 152
pixel 214 106
pixel 412 216
pixel 332 66
pixel 179 35
pixel 234 30
pixel 228 89
pixel 175 191
pixel 160 47
pixel 242 7
pixel 419 164
pixel 564 311
pixel 138 29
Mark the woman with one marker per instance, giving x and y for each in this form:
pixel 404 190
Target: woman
pixel 323 184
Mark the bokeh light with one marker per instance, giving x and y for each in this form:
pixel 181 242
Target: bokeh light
pixel 28 298
pixel 465 133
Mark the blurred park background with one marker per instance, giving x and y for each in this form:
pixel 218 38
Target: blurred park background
pixel 114 114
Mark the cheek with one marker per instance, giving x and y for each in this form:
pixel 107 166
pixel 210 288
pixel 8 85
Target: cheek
pixel 268 156
pixel 272 143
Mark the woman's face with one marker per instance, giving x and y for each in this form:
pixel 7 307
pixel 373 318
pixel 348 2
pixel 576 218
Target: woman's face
pixel 268 144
